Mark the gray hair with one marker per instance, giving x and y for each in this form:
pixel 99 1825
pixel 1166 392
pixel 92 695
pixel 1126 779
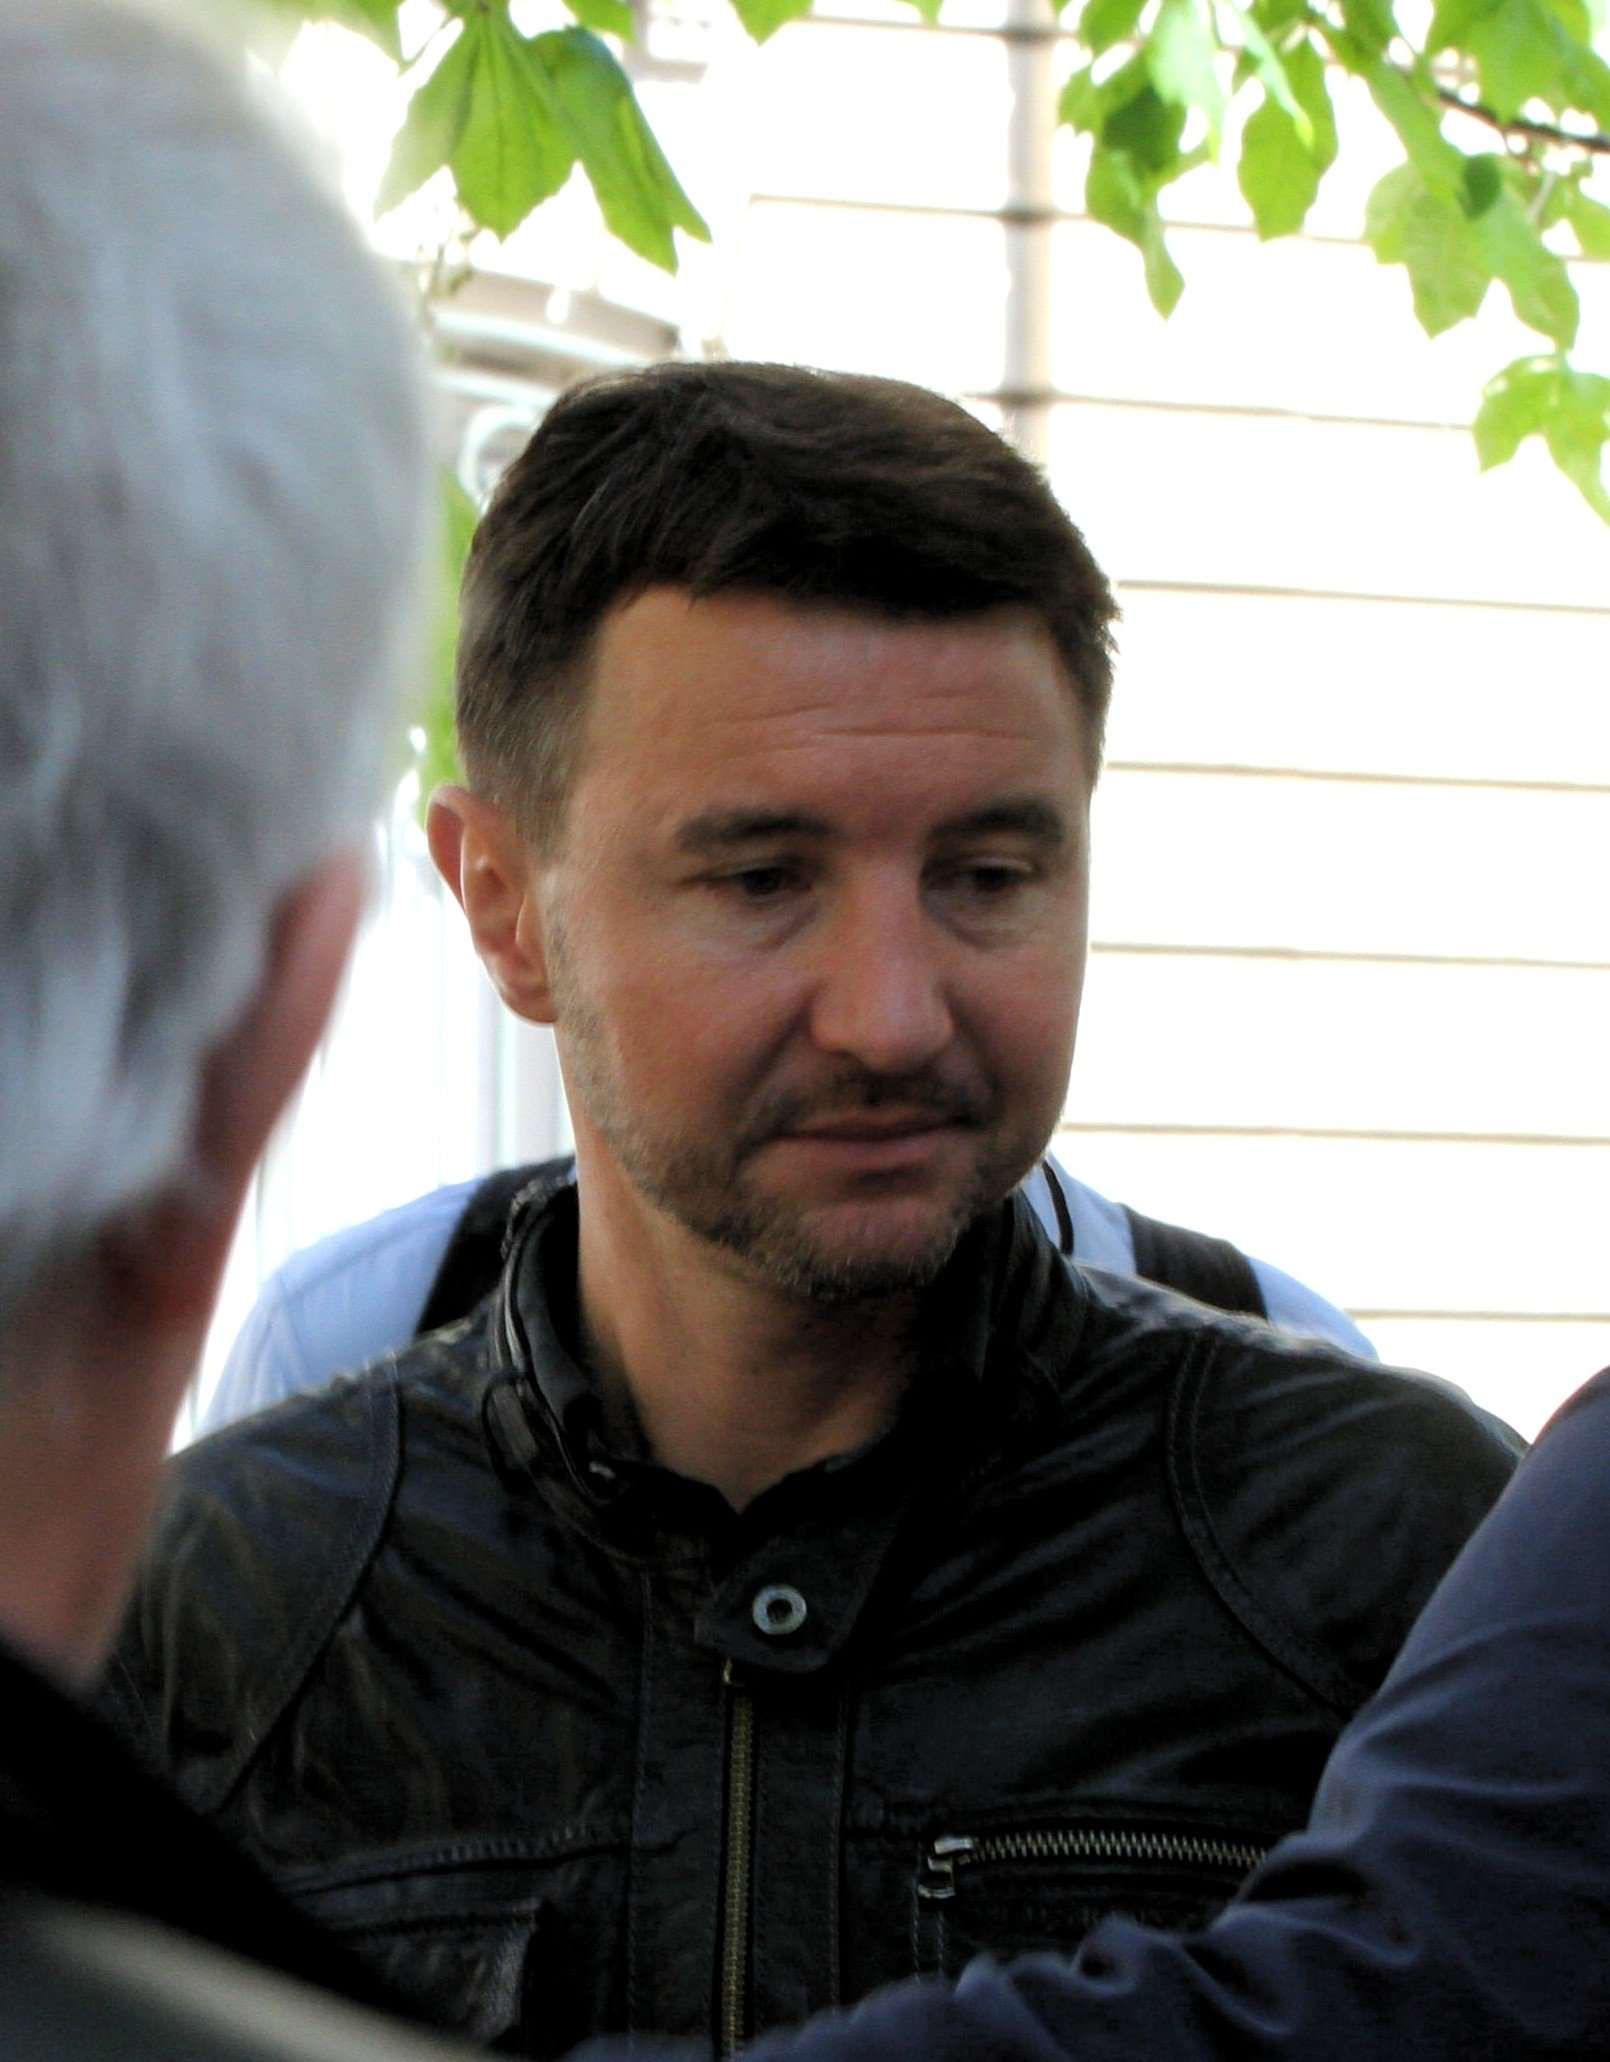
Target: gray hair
pixel 213 491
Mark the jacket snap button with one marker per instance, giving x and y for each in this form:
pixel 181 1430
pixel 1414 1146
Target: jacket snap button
pixel 778 1610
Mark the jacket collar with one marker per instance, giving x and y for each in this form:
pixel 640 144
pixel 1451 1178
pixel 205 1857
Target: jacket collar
pixel 1003 1310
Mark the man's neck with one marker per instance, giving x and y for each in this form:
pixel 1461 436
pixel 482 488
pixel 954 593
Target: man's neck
pixel 79 1405
pixel 732 1381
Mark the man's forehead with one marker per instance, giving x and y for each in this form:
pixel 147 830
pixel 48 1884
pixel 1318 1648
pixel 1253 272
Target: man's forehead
pixel 711 832
pixel 679 663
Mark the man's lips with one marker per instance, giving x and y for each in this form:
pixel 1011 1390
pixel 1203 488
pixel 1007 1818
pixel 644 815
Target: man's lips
pixel 871 1128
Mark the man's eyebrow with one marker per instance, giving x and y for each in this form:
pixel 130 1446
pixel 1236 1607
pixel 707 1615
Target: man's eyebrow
pixel 722 830
pixel 1026 816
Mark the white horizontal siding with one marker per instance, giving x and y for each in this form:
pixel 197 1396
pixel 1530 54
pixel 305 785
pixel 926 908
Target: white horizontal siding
pixel 1227 677
pixel 1427 1228
pixel 1335 866
pixel 1332 507
pixel 1408 1050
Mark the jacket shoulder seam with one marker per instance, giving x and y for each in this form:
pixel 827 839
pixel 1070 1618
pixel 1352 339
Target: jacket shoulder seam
pixel 1316 1671
pixel 344 1568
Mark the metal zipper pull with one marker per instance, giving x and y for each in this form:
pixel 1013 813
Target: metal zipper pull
pixel 938 1880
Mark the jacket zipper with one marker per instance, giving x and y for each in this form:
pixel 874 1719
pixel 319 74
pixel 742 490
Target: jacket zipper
pixel 1083 1843
pixel 732 2012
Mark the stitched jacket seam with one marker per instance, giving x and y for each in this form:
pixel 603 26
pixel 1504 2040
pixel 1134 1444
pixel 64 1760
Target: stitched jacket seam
pixel 1319 1674
pixel 331 1600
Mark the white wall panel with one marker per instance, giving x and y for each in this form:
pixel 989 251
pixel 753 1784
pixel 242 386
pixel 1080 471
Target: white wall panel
pixel 1204 859
pixel 1407 1228
pixel 1384 687
pixel 1232 500
pixel 1343 1046
pixel 1297 324
pixel 879 114
pixel 905 295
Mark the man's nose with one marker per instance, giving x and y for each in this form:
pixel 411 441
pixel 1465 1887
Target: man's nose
pixel 880 994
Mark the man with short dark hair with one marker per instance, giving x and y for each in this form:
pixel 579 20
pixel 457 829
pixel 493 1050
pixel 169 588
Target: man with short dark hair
pixel 793 1576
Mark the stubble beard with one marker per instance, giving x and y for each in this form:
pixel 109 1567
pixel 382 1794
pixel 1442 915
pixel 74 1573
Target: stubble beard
pixel 713 1192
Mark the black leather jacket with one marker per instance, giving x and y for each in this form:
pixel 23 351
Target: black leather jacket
pixel 130 1932
pixel 565 1746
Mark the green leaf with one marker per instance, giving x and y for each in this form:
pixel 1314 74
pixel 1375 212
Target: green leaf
pixel 433 125
pixel 1305 73
pixel 1527 50
pixel 514 151
pixel 1116 196
pixel 1272 16
pixel 763 18
pixel 1407 223
pixel 605 17
pixel 1484 183
pixel 1277 172
pixel 1576 440
pixel 1082 102
pixel 1164 280
pixel 1569 410
pixel 1182 57
pixel 638 193
pixel 1591 221
pixel 1574 17
pixel 1369 23
pixel 1514 406
pixel 1106 22
pixel 1588 83
pixel 1451 23
pixel 1516 48
pixel 1148 130
pixel 1539 284
pixel 1265 62
pixel 376 19
pixel 1419 127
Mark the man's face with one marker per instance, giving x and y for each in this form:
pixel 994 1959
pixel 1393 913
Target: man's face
pixel 816 927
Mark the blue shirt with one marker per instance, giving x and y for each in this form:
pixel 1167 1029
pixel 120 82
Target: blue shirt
pixel 358 1294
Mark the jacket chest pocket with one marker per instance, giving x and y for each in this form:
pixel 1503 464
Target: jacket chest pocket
pixel 1041 1889
pixel 518 1958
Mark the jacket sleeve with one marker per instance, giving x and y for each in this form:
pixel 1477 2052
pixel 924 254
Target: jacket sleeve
pixel 1450 1899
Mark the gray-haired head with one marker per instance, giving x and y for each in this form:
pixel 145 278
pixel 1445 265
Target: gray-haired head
pixel 212 505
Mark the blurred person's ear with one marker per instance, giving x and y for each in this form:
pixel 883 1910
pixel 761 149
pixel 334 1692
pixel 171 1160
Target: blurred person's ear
pixel 483 859
pixel 168 1257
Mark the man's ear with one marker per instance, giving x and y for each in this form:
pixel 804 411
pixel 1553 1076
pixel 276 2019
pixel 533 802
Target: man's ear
pixel 169 1255
pixel 483 859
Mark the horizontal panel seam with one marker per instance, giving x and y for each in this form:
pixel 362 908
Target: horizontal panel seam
pixel 1347 1135
pixel 1147 948
pixel 1357 777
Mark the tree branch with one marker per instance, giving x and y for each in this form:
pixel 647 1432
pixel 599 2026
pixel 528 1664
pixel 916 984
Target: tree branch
pixel 1596 143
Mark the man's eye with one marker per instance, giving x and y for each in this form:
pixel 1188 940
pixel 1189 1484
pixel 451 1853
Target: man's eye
pixel 991 880
pixel 760 883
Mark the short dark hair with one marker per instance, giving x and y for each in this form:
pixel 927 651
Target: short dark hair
pixel 818 487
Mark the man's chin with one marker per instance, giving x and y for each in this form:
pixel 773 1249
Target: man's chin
pixel 846 1255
